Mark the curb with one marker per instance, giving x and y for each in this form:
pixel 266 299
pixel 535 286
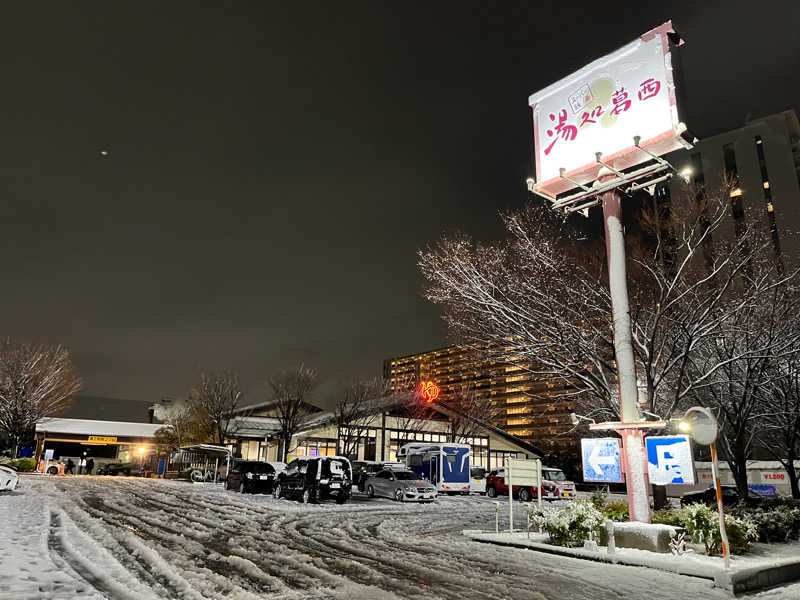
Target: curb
pixel 746 579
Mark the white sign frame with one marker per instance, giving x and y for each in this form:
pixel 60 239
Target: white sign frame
pixel 600 108
pixel 529 472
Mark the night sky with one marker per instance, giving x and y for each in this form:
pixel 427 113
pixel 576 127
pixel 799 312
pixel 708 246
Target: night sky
pixel 273 168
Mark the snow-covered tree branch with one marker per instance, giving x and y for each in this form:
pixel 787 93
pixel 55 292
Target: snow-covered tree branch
pixel 36 381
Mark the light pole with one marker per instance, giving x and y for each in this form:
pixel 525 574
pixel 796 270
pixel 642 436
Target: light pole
pixel 700 423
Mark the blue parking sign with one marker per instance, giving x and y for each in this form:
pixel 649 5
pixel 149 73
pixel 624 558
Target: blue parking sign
pixel 601 461
pixel 669 459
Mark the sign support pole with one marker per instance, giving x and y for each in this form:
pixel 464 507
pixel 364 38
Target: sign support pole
pixel 510 498
pixel 633 447
pixel 539 477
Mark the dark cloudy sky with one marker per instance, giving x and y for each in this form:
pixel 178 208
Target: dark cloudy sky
pixel 273 167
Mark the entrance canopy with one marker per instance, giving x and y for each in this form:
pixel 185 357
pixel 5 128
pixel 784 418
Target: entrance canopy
pixel 85 431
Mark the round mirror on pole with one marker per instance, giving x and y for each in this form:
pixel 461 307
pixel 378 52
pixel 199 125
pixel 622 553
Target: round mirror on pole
pixel 699 423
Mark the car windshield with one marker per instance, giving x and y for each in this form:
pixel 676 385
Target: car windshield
pixel 554 475
pixel 478 473
pixel 405 475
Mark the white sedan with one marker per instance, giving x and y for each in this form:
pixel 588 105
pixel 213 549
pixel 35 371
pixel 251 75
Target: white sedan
pixel 9 480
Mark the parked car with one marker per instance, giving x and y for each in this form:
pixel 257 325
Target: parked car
pixel 253 477
pixel 730 497
pixel 118 468
pixel 400 485
pixel 496 486
pixel 316 478
pixel 551 475
pixel 9 480
pixel 362 469
pixel 477 480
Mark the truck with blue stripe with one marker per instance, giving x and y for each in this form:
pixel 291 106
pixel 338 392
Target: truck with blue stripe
pixel 446 465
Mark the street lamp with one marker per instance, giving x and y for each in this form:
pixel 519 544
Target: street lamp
pixel 575 419
pixel 700 423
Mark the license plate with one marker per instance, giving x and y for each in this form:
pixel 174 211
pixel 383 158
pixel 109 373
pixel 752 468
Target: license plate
pixel 263 476
pixel 335 486
pixel 479 481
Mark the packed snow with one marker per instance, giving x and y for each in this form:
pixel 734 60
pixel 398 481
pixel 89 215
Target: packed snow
pixel 108 537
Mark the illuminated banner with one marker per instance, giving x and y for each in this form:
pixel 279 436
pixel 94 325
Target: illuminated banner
pixel 630 92
pixel 104 439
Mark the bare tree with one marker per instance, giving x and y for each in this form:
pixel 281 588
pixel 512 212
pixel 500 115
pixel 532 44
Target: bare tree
pixel 467 414
pixel 355 412
pixel 184 424
pixel 291 392
pixel 36 381
pixel 411 415
pixel 540 301
pixel 215 399
pixel 781 421
pixel 737 372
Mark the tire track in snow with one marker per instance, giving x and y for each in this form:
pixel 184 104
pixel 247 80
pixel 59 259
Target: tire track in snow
pixel 195 541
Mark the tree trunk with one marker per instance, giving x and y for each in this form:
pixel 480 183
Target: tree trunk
pixel 792 473
pixel 659 497
pixel 739 469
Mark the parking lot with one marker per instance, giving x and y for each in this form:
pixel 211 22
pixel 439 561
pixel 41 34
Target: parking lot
pixel 103 537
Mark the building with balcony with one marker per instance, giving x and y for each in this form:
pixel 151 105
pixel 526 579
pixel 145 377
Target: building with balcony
pixel 527 405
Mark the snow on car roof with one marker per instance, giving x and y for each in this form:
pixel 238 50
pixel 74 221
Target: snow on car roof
pixel 104 428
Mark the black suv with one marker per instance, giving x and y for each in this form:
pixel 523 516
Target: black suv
pixel 252 477
pixel 316 478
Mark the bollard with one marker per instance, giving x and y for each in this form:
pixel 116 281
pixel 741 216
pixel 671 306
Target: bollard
pixel 612 546
pixel 497 517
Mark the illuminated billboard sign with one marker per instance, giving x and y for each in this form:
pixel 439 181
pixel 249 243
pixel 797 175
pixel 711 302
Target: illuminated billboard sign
pixel 600 108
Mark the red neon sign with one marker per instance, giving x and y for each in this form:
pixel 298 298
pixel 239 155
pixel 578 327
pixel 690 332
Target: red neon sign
pixel 429 391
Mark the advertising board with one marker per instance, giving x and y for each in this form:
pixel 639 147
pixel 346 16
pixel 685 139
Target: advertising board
pixel 600 108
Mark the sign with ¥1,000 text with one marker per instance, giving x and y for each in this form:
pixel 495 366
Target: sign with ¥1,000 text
pixel 669 459
pixel 523 472
pixel 601 460
pixel 105 439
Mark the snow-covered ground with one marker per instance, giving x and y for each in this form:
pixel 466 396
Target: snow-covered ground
pixel 105 537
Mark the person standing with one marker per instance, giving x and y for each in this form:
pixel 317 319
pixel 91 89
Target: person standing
pixel 89 466
pixel 82 464
pixel 70 467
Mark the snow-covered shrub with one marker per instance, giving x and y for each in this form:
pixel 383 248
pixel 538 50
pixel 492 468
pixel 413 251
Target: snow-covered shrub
pixel 780 524
pixel 667 516
pixel 616 511
pixel 741 533
pixel 598 499
pixel 702 523
pixel 21 464
pixel 570 525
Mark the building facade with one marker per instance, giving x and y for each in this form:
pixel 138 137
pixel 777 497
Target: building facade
pixel 526 404
pixel 761 162
pixel 254 436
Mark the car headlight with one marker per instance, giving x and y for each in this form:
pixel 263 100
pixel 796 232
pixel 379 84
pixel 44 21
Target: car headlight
pixel 249 475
